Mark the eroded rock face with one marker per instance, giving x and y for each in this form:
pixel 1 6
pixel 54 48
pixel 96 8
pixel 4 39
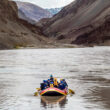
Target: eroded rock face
pixel 99 35
pixel 8 10
pixel 14 31
pixel 81 22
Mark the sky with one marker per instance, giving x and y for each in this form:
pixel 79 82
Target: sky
pixel 49 3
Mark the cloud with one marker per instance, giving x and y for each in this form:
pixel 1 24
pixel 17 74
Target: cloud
pixel 49 3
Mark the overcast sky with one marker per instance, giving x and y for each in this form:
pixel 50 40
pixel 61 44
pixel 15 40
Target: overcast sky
pixel 49 3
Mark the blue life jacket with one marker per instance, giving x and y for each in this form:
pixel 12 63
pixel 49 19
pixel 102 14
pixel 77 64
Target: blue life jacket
pixel 65 82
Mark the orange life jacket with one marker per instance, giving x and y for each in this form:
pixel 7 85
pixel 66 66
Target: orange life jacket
pixel 55 82
pixel 51 85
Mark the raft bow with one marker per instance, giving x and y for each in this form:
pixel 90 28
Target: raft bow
pixel 53 92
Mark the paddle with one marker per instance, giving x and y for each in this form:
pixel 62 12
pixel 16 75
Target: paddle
pixel 38 89
pixel 71 91
pixel 36 93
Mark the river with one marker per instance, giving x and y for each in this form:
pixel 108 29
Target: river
pixel 86 70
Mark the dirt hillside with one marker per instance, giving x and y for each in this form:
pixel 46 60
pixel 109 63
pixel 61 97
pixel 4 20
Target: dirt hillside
pixel 16 32
pixel 81 22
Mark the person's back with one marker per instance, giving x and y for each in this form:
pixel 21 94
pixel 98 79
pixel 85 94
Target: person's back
pixel 65 83
pixel 59 85
pixel 51 84
pixel 61 82
pixel 62 86
pixel 42 86
pixel 51 78
pixel 55 82
pixel 48 82
pixel 45 84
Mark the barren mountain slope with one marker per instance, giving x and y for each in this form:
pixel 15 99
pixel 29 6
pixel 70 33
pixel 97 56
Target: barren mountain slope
pixel 14 31
pixel 32 11
pixel 81 22
pixel 21 15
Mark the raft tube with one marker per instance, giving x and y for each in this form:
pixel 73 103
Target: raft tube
pixel 54 92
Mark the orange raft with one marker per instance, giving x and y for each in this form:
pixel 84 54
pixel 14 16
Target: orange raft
pixel 52 91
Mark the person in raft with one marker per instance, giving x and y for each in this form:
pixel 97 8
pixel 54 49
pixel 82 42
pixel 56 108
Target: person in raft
pixel 52 82
pixel 55 82
pixel 51 78
pixel 44 85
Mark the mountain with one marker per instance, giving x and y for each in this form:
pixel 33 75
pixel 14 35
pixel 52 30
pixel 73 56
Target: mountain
pixel 32 12
pixel 81 22
pixel 22 15
pixel 54 11
pixel 16 32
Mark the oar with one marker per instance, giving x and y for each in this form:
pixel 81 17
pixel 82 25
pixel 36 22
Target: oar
pixel 36 93
pixel 38 89
pixel 71 91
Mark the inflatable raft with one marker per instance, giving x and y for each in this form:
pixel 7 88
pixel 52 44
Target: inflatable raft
pixel 53 92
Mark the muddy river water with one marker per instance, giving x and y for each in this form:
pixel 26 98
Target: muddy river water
pixel 86 70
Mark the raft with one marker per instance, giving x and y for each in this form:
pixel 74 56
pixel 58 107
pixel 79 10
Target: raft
pixel 53 92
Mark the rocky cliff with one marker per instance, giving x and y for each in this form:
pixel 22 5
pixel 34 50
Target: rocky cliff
pixel 81 22
pixel 14 31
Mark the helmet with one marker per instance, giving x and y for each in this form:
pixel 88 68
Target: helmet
pixel 51 76
pixel 63 79
pixel 55 79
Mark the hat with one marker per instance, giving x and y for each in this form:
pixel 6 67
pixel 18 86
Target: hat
pixel 51 75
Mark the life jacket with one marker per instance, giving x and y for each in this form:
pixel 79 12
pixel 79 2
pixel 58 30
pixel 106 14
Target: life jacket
pixel 51 85
pixel 55 82
pixel 61 82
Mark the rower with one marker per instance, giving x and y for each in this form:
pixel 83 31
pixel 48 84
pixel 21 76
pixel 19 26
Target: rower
pixel 51 84
pixel 61 85
pixel 55 82
pixel 51 78
pixel 65 83
pixel 48 82
pixel 42 86
pixel 45 84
